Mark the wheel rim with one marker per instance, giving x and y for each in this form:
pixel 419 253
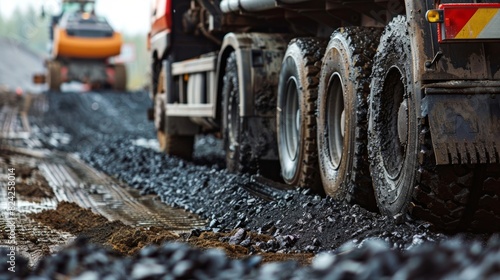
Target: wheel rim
pixel 394 107
pixel 335 125
pixel 292 118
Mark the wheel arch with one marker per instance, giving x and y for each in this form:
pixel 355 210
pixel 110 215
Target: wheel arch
pixel 258 55
pixel 221 71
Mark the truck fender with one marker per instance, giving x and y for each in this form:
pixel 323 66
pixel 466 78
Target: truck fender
pixel 259 58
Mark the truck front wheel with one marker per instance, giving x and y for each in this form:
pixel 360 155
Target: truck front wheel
pixel 181 146
pixel 296 114
pixel 342 115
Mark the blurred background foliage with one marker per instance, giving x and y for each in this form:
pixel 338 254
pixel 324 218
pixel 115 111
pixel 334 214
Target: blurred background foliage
pixel 30 29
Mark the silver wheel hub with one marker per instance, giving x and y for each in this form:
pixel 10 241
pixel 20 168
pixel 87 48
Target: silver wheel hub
pixel 335 120
pixel 342 123
pixel 403 123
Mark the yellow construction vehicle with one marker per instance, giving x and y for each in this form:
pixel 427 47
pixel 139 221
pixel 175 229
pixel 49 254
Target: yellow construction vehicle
pixel 82 44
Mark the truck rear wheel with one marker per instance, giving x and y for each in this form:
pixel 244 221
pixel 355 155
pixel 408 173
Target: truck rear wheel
pixel 342 120
pixel 405 176
pixel 54 76
pixel 120 77
pixel 296 114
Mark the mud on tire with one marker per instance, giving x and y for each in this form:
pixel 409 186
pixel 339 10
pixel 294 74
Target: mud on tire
pixel 342 120
pixel 405 175
pixel 296 115
pixel 235 154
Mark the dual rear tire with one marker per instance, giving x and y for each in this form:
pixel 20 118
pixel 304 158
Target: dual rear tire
pixel 322 112
pixel 296 113
pixel 342 109
pixel 368 126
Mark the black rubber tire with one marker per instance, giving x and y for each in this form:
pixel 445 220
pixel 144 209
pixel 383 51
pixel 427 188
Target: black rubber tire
pixel 297 95
pixel 405 175
pixel 342 119
pixel 232 124
pixel 54 76
pixel 486 215
pixel 120 77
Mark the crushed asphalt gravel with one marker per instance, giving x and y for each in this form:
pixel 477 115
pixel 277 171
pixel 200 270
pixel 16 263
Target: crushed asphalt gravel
pixel 350 242
pixel 103 127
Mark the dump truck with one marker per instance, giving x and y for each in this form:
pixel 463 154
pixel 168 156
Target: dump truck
pixel 82 44
pixel 389 104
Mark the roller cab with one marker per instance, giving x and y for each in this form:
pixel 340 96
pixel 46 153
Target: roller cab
pixel 82 44
pixel 85 36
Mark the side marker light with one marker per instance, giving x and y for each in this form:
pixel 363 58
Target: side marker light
pixel 434 16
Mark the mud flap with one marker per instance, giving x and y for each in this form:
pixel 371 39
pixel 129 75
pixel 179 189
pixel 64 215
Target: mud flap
pixel 465 129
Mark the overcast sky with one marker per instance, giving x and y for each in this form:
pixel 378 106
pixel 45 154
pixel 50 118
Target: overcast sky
pixel 130 16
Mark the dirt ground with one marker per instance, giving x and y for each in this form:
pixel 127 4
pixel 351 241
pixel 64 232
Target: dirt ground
pixel 33 240
pixel 46 225
pixel 128 240
pixel 32 186
pixel 56 192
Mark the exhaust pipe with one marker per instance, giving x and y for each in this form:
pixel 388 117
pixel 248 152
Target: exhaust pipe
pixel 228 6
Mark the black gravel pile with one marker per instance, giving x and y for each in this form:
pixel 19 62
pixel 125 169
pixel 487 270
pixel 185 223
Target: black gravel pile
pixel 92 119
pixel 297 219
pixel 451 259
